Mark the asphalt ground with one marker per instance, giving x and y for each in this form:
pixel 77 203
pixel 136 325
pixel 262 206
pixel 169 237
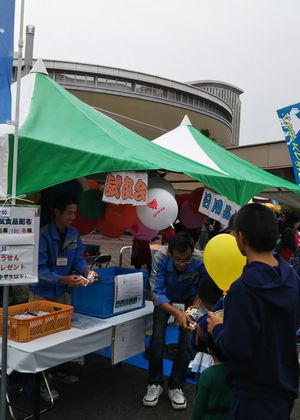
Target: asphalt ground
pixel 106 392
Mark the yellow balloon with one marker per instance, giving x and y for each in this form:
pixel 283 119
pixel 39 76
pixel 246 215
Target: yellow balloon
pixel 223 260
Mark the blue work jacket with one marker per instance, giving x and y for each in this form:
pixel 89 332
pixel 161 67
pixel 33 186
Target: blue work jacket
pixel 52 247
pixel 170 285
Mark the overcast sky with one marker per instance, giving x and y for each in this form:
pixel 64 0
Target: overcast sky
pixel 253 44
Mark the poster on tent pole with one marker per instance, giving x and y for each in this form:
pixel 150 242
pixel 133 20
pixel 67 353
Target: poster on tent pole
pixel 126 187
pixel 289 118
pixel 19 242
pixel 217 207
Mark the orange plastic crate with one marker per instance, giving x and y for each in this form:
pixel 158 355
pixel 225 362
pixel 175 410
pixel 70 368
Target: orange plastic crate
pixel 58 319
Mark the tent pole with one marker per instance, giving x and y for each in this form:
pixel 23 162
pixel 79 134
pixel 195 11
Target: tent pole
pixel 13 193
pixel 4 352
pixel 17 116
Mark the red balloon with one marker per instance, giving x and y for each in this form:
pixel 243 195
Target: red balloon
pixel 181 198
pixel 121 216
pixel 92 184
pixel 108 229
pixel 83 225
pixel 189 218
pixel 142 232
pixel 195 198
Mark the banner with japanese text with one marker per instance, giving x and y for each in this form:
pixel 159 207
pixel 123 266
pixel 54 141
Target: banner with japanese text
pixel 126 187
pixel 7 17
pixel 289 118
pixel 217 207
pixel 19 241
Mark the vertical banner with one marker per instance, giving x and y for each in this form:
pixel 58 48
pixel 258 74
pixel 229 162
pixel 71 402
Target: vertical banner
pixel 4 158
pixel 7 17
pixel 289 118
pixel 217 207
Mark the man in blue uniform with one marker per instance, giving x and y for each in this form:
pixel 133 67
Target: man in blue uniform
pixel 61 261
pixel 61 265
pixel 175 276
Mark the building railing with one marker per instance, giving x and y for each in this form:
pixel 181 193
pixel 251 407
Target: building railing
pixel 138 88
pixel 105 83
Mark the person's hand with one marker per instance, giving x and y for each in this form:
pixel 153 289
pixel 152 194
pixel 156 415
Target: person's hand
pixel 212 321
pixel 72 280
pixel 184 321
pixel 93 274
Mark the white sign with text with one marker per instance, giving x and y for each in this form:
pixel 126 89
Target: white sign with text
pixel 129 187
pixel 19 241
pixel 217 207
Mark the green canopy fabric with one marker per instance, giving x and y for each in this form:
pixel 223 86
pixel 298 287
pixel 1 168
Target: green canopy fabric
pixel 240 179
pixel 62 138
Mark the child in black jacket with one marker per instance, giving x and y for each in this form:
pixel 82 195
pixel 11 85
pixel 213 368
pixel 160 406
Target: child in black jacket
pixel 261 316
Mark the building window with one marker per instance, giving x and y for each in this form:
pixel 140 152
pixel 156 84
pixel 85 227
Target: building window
pixel 178 96
pixel 101 81
pixel 60 77
pixel 80 79
pixel 191 100
pixel 90 80
pixel 171 95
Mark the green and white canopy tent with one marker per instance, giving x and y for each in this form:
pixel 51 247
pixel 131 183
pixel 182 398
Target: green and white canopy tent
pixel 62 138
pixel 250 180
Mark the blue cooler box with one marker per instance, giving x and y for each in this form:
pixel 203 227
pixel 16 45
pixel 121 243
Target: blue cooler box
pixel 97 299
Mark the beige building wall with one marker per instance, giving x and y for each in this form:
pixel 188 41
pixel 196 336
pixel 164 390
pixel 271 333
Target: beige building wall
pixel 266 155
pixel 157 118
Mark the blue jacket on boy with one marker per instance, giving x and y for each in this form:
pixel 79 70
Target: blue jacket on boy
pixel 52 247
pixel 261 316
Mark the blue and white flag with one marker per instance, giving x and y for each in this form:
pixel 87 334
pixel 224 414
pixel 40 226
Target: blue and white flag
pixel 7 17
pixel 289 118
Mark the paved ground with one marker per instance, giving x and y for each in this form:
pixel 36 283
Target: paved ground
pixel 111 393
pixel 112 246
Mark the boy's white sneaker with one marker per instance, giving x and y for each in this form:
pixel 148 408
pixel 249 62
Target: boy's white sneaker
pixel 152 396
pixel 177 398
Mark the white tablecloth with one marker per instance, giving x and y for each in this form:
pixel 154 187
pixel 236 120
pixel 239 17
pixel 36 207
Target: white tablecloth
pixel 43 353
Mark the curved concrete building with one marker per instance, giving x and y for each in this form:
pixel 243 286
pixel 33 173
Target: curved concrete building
pixel 231 95
pixel 151 105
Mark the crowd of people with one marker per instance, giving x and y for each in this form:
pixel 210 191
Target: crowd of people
pixel 255 374
pixel 253 345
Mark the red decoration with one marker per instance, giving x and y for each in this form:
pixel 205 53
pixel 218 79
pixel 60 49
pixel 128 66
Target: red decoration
pixel 108 229
pixel 195 198
pixel 181 198
pixel 83 225
pixel 121 216
pixel 92 184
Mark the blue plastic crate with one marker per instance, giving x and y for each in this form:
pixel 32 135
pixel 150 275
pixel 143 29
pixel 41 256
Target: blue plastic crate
pixel 97 299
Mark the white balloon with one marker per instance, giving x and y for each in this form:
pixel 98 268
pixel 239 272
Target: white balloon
pixel 159 182
pixel 161 209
